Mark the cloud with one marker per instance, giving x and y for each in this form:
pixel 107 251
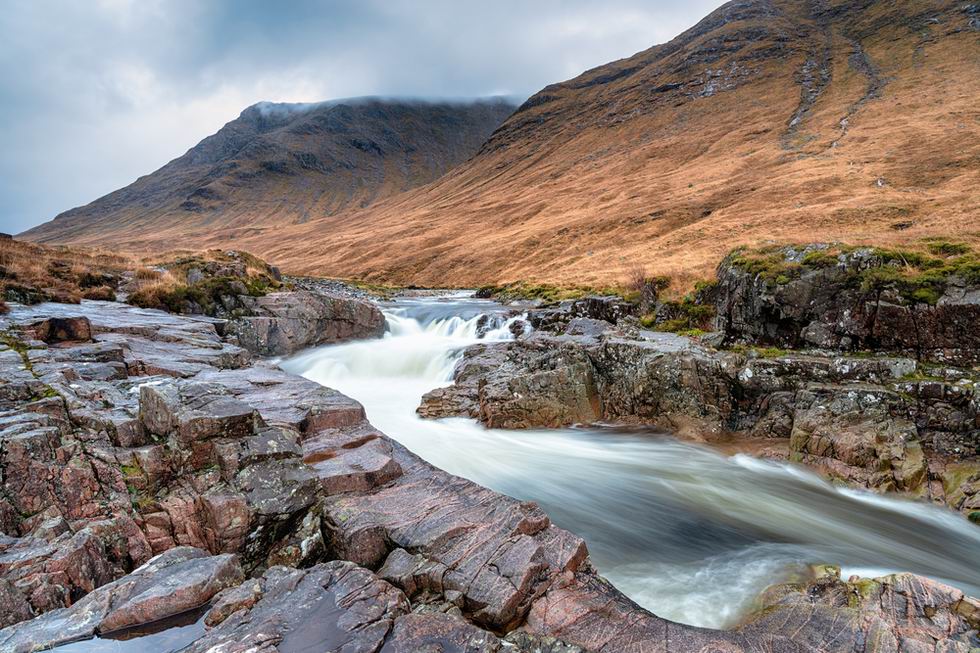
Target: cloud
pixel 96 94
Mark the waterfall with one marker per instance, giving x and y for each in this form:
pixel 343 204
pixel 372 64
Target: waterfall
pixel 687 532
pixel 411 349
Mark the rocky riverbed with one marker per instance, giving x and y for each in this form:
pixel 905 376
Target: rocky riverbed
pixel 152 467
pixel 902 415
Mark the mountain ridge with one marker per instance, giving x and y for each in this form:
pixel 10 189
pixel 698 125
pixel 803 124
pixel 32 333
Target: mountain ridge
pixel 768 121
pixel 311 159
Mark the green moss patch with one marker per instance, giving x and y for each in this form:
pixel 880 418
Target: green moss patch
pixel 223 274
pixel 919 277
pixel 545 293
pixel 690 317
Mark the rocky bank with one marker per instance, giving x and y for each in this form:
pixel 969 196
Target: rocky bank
pixel 879 389
pixel 151 468
pixel 256 307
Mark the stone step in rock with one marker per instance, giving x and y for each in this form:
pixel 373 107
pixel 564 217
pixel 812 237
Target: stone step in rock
pixel 498 552
pixel 353 460
pixel 288 400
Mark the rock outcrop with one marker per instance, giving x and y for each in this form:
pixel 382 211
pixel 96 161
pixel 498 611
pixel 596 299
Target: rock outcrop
pixel 256 309
pixel 848 299
pixel 895 613
pixel 875 421
pixel 155 471
pixel 152 435
pixel 282 323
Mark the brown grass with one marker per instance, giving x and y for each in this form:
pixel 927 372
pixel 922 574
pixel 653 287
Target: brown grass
pixel 101 293
pixel 35 273
pixel 143 273
pixel 609 175
pixel 155 290
pixel 167 287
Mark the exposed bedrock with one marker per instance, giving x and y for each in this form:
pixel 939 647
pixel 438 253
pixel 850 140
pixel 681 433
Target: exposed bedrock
pixel 174 582
pixel 853 299
pixel 282 323
pixel 150 468
pixel 876 421
pixel 238 290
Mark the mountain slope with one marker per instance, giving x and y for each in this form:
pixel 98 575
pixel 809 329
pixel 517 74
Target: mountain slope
pixel 278 164
pixel 779 120
pixel 776 120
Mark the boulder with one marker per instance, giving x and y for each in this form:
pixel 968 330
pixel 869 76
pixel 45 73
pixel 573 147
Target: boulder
pixel 282 323
pixel 63 329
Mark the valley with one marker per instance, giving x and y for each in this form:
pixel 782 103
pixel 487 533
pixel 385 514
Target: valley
pixel 678 355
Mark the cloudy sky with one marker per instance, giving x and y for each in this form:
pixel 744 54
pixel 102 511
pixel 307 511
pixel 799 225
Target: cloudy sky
pixel 94 93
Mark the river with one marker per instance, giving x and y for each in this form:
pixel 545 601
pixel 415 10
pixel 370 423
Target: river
pixel 686 531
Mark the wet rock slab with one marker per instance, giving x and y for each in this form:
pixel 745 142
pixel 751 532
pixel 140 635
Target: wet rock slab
pixel 171 583
pixel 197 446
pixel 496 553
pixel 336 606
pixel 356 460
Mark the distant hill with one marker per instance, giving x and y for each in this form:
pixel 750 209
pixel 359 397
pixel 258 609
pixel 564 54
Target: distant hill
pixel 770 120
pixel 279 164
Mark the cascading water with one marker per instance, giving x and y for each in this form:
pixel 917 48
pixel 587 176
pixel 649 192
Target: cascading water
pixel 689 533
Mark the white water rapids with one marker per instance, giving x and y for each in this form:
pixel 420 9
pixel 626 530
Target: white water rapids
pixel 687 532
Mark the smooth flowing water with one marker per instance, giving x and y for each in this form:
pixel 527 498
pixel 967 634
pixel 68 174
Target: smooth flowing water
pixel 686 531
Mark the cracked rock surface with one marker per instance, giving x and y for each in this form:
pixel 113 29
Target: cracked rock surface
pixel 150 468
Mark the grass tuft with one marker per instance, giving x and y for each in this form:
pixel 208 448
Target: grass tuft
pixel 219 274
pixel 31 273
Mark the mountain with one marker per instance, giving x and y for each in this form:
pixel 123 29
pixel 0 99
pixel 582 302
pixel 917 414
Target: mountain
pixel 770 120
pixel 279 164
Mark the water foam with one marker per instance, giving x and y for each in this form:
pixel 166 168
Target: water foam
pixel 688 533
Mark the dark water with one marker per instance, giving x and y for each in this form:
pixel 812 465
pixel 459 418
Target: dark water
pixel 165 636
